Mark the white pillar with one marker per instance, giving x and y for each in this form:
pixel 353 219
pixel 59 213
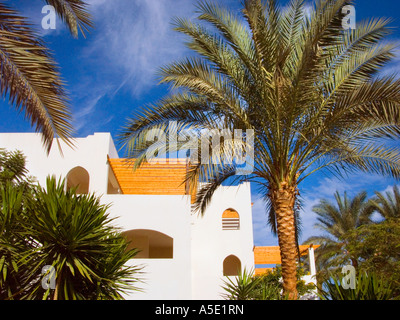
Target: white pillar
pixel 311 258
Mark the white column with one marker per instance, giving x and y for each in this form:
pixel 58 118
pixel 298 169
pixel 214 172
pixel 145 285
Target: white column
pixel 312 261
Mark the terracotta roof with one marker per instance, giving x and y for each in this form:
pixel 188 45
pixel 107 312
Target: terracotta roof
pixel 272 255
pixel 165 178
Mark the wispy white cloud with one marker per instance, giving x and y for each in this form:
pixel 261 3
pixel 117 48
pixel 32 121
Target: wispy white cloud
pixel 134 38
pixel 90 107
pixel 130 41
pixel 81 117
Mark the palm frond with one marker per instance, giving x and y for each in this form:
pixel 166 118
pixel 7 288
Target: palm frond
pixel 30 78
pixel 388 204
pixel 74 13
pixel 207 190
pixel 308 89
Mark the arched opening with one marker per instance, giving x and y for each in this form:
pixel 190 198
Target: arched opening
pixel 232 266
pixel 78 178
pixel 151 244
pixel 112 186
pixel 230 220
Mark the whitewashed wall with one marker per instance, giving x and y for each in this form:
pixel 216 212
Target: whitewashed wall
pixel 163 278
pixel 200 244
pixel 211 245
pixel 89 153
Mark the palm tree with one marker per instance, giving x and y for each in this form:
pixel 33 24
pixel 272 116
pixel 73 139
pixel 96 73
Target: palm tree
pixel 336 220
pixel 29 77
pixel 307 88
pixel 388 206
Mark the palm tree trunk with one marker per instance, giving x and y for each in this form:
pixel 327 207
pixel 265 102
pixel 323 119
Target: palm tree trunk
pixel 283 201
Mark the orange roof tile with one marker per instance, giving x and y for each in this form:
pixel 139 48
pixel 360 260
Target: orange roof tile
pixel 272 255
pixel 151 178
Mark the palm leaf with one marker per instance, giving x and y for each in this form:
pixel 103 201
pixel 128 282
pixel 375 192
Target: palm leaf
pixel 30 79
pixel 308 89
pixel 74 13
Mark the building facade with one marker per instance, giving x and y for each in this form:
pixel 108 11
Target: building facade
pixel 184 255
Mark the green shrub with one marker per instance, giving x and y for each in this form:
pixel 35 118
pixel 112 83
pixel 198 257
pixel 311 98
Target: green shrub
pixel 267 286
pixel 367 287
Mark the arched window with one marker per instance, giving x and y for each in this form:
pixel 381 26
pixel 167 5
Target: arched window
pixel 232 266
pixel 151 244
pixel 230 220
pixel 78 178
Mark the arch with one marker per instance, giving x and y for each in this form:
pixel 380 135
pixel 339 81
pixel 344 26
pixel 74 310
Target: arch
pixel 232 266
pixel 230 220
pixel 78 177
pixel 150 243
pixel 112 185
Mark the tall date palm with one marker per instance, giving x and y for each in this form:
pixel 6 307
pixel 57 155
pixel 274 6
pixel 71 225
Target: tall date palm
pixel 388 204
pixel 335 220
pixel 308 88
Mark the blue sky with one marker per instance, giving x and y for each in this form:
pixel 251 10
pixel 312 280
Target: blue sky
pixel 112 72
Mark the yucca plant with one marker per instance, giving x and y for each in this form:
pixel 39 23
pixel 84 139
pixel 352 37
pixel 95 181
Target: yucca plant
pixel 241 287
pixel 15 190
pixel 268 286
pixel 73 234
pixel 12 166
pixel 368 287
pixel 308 89
pixel 14 275
pixel 52 227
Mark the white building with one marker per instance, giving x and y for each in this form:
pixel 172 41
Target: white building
pixel 185 256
